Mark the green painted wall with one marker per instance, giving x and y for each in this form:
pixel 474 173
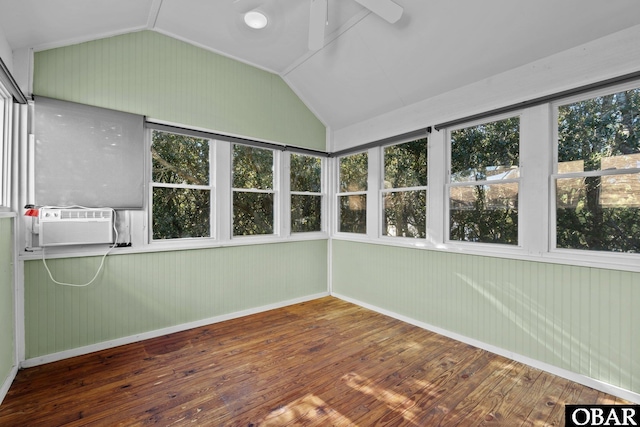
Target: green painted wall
pixel 7 322
pixel 163 78
pixel 585 320
pixel 138 293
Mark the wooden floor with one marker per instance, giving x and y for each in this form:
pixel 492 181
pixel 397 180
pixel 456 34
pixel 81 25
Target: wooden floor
pixel 320 363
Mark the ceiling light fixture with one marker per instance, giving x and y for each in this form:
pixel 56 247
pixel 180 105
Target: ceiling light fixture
pixel 255 19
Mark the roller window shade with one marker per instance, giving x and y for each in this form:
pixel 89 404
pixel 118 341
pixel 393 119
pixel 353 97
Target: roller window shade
pixel 88 156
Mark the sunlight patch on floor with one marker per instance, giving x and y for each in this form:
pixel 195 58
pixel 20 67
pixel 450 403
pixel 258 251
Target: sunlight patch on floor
pixel 307 409
pixel 395 401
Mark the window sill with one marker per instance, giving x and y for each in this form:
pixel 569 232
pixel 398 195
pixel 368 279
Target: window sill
pixel 172 246
pixel 622 262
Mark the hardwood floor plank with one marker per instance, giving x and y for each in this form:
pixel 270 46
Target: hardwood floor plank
pixel 318 363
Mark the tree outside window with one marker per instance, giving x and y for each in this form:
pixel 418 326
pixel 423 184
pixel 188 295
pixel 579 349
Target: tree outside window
pixel 352 193
pixel 306 193
pixel 181 186
pixel 404 193
pixel 598 174
pixel 253 190
pixel 483 189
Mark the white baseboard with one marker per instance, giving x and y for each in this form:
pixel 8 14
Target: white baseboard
pixel 570 375
pixel 41 360
pixel 7 383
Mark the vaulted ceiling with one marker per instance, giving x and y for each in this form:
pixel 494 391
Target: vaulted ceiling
pixel 367 66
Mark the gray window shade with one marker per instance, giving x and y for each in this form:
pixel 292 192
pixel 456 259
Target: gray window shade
pixel 87 156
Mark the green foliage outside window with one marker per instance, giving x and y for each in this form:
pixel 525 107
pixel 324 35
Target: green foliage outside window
pixel 253 211
pixel 352 209
pixel 353 173
pixel 600 212
pixel 405 212
pixel 180 213
pixel 306 209
pixel 488 212
pixel 180 161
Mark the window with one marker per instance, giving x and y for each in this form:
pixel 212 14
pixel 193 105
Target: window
pixel 597 181
pixel 483 187
pixel 306 193
pixel 5 147
pixel 253 190
pixel 404 193
pixel 352 193
pixel 181 186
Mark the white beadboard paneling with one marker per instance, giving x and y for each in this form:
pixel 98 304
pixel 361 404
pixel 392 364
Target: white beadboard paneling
pixel 578 319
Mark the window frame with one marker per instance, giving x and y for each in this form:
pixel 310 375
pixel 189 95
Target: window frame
pixel 322 194
pixel 366 193
pixel 275 190
pixel 211 188
pixel 382 191
pixel 6 145
pixel 446 231
pixel 609 257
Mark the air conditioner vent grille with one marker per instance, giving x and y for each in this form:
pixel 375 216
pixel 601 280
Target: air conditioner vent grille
pixel 85 214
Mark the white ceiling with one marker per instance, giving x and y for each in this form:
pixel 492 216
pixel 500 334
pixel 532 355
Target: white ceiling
pixel 368 67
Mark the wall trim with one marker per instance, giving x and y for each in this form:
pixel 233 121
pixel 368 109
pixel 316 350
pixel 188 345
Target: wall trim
pixel 7 382
pixel 572 376
pixel 79 351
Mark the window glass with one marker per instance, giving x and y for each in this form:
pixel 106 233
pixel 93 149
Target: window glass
pixel 353 173
pixel 489 151
pixel 252 167
pixel 352 197
pixel 484 213
pixel 306 193
pixel 179 159
pixel 252 213
pixel 404 196
pixel 600 133
pixel 306 213
pixel 598 206
pixel 253 194
pixel 181 188
pixel 486 155
pixel 181 213
pixel 405 165
pixel 353 214
pixel 306 173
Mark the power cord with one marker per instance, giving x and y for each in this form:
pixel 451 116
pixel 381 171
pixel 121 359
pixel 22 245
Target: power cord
pixel 115 230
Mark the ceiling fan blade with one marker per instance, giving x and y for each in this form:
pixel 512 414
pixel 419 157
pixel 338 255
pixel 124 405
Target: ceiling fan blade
pixel 317 23
pixel 386 9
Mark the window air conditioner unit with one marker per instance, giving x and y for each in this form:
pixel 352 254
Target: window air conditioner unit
pixel 75 226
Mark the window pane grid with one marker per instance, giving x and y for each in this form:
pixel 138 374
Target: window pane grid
pixel 305 193
pixel 597 179
pixel 399 189
pixel 181 186
pixel 468 183
pixel 404 189
pixel 484 182
pixel 405 213
pixel 253 190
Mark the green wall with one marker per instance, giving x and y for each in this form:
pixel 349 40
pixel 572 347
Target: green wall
pixel 585 320
pixel 7 321
pixel 138 293
pixel 163 78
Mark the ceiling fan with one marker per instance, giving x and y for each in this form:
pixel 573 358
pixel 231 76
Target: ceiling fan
pixel 386 9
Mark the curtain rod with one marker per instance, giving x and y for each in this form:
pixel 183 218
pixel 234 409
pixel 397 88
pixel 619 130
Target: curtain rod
pixel 233 139
pixel 542 100
pixel 423 132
